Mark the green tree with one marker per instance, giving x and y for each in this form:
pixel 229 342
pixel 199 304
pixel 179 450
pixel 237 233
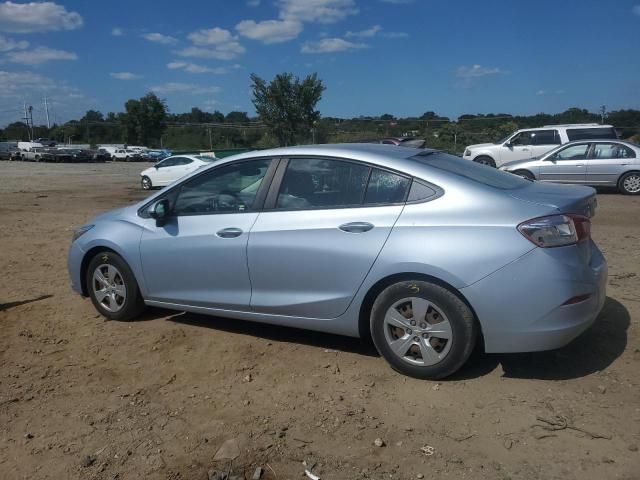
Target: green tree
pixel 144 121
pixel 237 117
pixel 287 105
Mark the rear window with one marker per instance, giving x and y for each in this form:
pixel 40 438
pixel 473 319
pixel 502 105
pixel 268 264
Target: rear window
pixel 483 174
pixel 591 133
pixel 206 158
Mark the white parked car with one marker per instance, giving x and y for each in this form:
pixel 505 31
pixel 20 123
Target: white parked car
pixel 533 142
pixel 171 169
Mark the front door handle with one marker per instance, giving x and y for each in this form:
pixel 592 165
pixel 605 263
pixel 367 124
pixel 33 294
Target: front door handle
pixel 356 227
pixel 230 232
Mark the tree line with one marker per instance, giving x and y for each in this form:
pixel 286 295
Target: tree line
pixel 287 115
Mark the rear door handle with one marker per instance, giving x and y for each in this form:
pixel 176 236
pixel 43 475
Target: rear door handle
pixel 356 227
pixel 230 232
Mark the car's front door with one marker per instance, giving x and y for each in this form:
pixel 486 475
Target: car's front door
pixel 567 165
pixel 199 257
pixel 607 162
pixel 328 221
pixel 518 147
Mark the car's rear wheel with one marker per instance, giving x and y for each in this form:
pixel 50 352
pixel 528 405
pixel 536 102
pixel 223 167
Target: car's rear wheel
pixel 485 160
pixel 146 184
pixel 113 288
pixel 525 174
pixel 629 183
pixel 422 329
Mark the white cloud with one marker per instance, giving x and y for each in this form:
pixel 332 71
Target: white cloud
pixel 37 17
pixel 547 92
pixel 8 44
pixel 270 31
pixel 636 9
pixel 125 75
pixel 117 31
pixel 321 11
pixel 368 33
pixel 395 34
pixel 476 71
pixel 160 38
pixel 178 87
pixel 196 68
pixel 215 43
pixel 39 55
pixel 330 45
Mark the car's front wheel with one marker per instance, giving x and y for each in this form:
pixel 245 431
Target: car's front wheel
pixel 422 329
pixel 113 288
pixel 629 184
pixel 485 160
pixel 145 183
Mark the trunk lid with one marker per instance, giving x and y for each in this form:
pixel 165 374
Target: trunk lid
pixel 576 199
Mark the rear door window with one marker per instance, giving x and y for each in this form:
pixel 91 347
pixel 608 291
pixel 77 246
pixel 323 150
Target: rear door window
pixel 611 150
pixel 546 137
pixel 322 183
pixel 386 188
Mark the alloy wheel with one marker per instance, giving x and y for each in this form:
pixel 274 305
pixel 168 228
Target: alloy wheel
pixel 632 183
pixel 109 288
pixel 417 331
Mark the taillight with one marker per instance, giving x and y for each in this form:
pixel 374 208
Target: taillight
pixel 556 230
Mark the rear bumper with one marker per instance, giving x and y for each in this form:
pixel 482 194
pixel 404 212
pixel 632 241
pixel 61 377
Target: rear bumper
pixel 531 314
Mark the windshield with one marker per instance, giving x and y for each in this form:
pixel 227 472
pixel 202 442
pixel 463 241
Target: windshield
pixel 499 142
pixel 476 172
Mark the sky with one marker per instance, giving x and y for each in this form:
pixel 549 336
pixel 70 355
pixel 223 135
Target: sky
pixel 402 57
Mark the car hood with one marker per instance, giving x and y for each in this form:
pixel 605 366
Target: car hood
pixel 147 171
pixel 518 163
pixel 111 215
pixel 481 145
pixel 575 199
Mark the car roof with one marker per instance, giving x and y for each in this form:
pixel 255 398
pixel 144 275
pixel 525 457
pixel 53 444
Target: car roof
pixel 600 140
pixel 569 125
pixel 366 152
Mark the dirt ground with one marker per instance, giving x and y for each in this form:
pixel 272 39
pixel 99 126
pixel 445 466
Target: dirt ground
pixel 89 399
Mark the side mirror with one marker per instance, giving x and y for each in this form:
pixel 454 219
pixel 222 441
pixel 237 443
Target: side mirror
pixel 160 211
pixel 508 145
pixel 156 167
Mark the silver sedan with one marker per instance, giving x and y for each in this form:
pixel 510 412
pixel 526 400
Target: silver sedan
pixel 606 163
pixel 425 253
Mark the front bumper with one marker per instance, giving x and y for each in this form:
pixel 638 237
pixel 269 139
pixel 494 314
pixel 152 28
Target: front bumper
pixel 74 266
pixel 531 314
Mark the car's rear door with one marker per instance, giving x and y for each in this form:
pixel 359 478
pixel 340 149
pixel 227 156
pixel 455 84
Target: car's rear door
pixel 324 223
pixel 607 162
pixel 199 256
pixel 567 165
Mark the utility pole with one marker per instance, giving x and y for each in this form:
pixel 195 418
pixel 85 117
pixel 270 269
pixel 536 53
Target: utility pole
pixel 46 109
pixel 31 118
pixel 210 141
pixel 603 112
pixel 26 120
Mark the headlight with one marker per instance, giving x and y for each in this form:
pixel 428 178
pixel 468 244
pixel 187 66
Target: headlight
pixel 81 231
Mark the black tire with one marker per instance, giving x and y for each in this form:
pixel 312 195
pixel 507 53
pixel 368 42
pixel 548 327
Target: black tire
pixel 462 323
pixel 525 174
pixel 133 304
pixel 145 183
pixel 485 160
pixel 628 183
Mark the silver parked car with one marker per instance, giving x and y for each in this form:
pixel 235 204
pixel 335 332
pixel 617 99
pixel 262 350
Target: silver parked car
pixel 607 163
pixel 424 252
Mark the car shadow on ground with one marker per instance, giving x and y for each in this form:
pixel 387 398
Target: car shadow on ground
pixel 7 306
pixel 593 351
pixel 277 333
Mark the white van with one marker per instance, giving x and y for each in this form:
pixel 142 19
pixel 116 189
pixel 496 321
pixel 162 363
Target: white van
pixel 533 142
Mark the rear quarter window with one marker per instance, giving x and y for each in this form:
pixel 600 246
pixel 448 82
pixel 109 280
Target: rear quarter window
pixel 591 133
